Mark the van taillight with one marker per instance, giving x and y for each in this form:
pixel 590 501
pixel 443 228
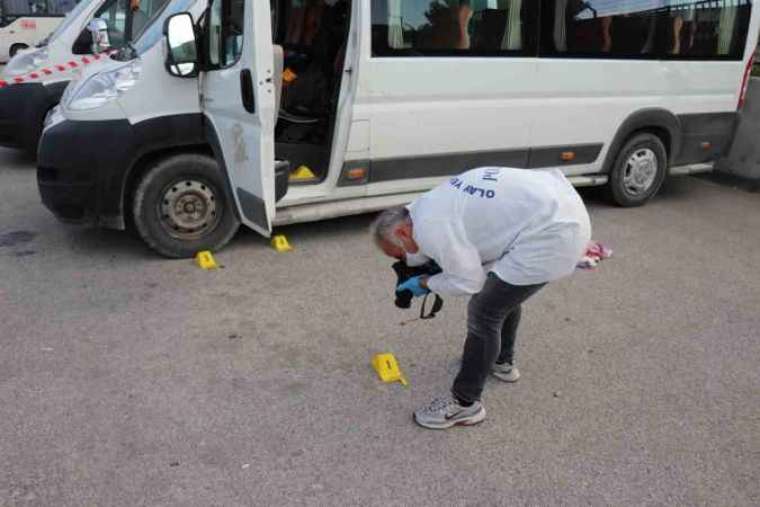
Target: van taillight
pixel 745 82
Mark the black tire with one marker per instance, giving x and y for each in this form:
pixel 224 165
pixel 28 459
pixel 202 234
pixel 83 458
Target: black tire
pixel 633 185
pixel 15 49
pixel 160 213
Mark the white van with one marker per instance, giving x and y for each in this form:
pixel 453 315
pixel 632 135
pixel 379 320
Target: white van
pixel 375 101
pixel 34 80
pixel 23 23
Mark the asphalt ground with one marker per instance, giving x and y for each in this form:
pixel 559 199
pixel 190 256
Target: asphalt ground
pixel 128 379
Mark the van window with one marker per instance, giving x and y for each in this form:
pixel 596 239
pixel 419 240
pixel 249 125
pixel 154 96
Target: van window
pixel 36 7
pixel 225 29
pixel 114 13
pixel 648 29
pixel 143 15
pixel 454 27
pixel 60 7
pixel 153 31
pixel 71 17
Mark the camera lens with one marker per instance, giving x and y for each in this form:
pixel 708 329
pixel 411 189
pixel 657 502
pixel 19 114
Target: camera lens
pixel 404 299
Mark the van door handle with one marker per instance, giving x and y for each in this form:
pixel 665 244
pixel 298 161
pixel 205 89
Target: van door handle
pixel 246 90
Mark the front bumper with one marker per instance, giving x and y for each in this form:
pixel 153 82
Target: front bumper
pixel 83 167
pixel 23 108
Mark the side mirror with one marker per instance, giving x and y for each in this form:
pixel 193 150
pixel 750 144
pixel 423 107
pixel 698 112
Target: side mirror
pixel 98 28
pixel 182 54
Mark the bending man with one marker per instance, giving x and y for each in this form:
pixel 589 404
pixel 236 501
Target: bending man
pixel 499 234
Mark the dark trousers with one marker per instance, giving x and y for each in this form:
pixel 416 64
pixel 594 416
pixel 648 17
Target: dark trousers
pixel 492 319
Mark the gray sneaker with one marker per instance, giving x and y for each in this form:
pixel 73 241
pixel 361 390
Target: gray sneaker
pixel 505 372
pixel 446 412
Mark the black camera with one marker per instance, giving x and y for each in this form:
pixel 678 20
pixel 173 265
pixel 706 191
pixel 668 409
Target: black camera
pixel 404 297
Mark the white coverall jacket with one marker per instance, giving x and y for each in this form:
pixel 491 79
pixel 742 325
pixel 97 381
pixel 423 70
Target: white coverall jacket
pixel 525 226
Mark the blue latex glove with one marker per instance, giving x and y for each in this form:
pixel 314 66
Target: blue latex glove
pixel 413 285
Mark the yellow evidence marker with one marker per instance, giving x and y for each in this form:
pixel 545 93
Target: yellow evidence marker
pixel 205 260
pixel 387 368
pixel 280 243
pixel 303 173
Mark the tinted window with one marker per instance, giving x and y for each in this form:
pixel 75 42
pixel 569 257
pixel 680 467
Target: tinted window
pixel 37 7
pixel 453 27
pixel 71 17
pixel 60 6
pixel 154 29
pixel 225 32
pixel 680 29
pixel 143 15
pixel 115 14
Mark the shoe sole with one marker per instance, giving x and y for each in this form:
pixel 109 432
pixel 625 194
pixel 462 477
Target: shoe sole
pixel 470 421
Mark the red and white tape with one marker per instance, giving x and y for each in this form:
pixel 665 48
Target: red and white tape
pixel 57 68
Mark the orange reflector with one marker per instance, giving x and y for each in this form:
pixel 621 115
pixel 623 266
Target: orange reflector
pixel 357 173
pixel 706 145
pixel 567 156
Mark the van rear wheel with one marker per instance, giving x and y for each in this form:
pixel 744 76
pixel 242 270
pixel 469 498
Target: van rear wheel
pixel 639 170
pixel 182 206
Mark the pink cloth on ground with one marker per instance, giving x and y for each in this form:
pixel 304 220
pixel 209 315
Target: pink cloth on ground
pixel 595 253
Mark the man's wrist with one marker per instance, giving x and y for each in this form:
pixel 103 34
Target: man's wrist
pixel 423 282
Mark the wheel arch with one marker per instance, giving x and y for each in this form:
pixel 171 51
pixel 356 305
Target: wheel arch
pixel 660 122
pixel 153 140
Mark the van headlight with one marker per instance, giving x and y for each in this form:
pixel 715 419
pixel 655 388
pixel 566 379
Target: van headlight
pixel 103 87
pixel 24 63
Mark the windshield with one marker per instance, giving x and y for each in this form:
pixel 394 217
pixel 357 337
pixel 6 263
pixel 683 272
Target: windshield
pixel 69 19
pixel 154 30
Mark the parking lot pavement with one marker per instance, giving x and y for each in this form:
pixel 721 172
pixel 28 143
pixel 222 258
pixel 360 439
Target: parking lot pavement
pixel 127 379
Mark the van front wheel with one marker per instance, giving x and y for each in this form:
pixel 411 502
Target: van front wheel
pixel 182 206
pixel 639 170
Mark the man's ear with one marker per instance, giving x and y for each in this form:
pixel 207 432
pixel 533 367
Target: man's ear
pixel 396 231
pixel 402 231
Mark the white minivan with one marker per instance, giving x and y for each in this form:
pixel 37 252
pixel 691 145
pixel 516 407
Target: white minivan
pixel 33 81
pixel 375 101
pixel 23 23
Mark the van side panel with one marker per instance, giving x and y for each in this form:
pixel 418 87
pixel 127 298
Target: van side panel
pixel 431 116
pixel 590 100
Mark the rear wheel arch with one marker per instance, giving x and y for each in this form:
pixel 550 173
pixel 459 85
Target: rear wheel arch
pixel 660 122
